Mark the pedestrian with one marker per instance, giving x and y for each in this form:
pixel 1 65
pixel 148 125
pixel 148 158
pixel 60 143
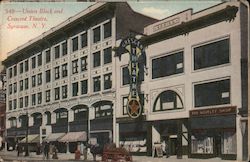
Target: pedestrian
pixel 18 147
pixel 84 151
pixel 46 150
pixel 54 152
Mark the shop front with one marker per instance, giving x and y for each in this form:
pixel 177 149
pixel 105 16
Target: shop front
pixel 213 133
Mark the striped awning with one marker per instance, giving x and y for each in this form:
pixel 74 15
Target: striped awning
pixel 31 138
pixel 74 137
pixel 54 137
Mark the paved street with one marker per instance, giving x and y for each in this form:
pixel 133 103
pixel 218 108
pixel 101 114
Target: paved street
pixel 11 156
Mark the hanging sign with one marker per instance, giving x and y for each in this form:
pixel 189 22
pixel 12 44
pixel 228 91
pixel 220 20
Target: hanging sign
pixel 135 49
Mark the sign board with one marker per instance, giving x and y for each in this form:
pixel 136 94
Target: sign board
pixel 213 111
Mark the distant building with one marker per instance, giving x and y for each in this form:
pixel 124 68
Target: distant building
pixel 2 106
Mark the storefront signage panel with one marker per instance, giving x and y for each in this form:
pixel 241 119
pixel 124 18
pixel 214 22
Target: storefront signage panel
pixel 213 111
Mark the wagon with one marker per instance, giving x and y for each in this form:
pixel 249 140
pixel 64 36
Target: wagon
pixel 113 154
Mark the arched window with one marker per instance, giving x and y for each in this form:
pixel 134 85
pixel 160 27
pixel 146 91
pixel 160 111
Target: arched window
pixel 103 109
pixel 48 115
pixel 37 119
pixel 24 121
pixel 13 122
pixel 61 115
pixel 80 112
pixel 168 100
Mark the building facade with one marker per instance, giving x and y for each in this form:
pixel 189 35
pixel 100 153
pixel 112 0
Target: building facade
pixel 2 107
pixel 193 82
pixel 194 87
pixel 62 83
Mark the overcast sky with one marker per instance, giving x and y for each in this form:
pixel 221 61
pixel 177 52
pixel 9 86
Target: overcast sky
pixel 48 15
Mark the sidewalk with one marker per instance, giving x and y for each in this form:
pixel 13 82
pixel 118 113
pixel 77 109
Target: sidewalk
pixel 12 155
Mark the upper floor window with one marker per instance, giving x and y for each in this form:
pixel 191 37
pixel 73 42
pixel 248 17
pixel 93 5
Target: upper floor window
pixel 10 72
pixel 213 54
pixel 57 93
pixel 84 87
pixel 126 75
pixel 21 67
pixel 64 48
pixel 167 65
pixel 75 89
pixel 48 76
pixel 107 29
pixel 103 109
pixel 96 59
pixel 15 87
pixel 64 91
pixel 80 114
pixel 26 63
pixel 39 59
pixel 21 85
pixel 33 62
pixel 39 79
pixel 10 105
pixel 13 122
pixel 84 40
pixel 212 93
pixel 39 98
pixel 107 81
pixel 26 101
pixel 84 63
pixel 74 44
pixel 10 89
pixel 21 102
pixel 57 73
pixel 15 70
pixel 47 96
pixel 57 51
pixel 168 100
pixel 14 104
pixel 97 84
pixel 64 70
pixel 47 56
pixel 75 66
pixel 107 55
pixel 26 83
pixel 96 34
pixel 33 81
pixel 33 99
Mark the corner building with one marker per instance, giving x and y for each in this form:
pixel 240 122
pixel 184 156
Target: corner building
pixel 194 88
pixel 61 86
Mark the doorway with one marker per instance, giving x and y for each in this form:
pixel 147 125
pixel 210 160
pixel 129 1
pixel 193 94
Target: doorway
pixel 173 146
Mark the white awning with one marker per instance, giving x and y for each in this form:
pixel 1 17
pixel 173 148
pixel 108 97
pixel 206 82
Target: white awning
pixel 31 138
pixel 54 137
pixel 74 137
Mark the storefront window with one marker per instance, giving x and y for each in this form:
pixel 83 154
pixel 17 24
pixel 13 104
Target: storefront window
pixel 228 143
pixel 202 144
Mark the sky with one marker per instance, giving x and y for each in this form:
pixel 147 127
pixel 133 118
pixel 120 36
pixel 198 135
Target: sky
pixel 23 21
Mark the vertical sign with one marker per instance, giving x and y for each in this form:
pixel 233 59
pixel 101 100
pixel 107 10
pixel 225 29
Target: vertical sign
pixel 135 49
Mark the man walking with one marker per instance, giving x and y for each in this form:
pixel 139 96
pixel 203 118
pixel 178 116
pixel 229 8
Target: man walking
pixel 46 150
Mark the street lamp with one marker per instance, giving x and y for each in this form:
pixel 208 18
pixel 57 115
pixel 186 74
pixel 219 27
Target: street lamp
pixel 27 132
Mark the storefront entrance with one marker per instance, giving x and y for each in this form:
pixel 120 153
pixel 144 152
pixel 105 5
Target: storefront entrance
pixel 173 146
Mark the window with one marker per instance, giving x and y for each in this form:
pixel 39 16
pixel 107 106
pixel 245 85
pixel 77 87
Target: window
pixel 48 76
pixel 103 109
pixel 84 40
pixel 64 70
pixel 21 68
pixel 202 143
pixel 13 122
pixel 126 75
pixel 107 81
pixel 97 34
pixel 84 87
pixel 15 87
pixel 10 105
pixel 26 83
pixel 64 91
pixel 26 63
pixel 97 84
pixel 21 85
pixel 75 89
pixel 47 54
pixel 75 66
pixel 57 52
pixel 10 72
pixel 33 81
pixel 57 73
pixel 212 54
pixel 84 63
pixel 74 44
pixel 26 101
pixel 47 95
pixel 229 142
pixel 64 48
pixel 15 70
pixel 107 29
pixel 107 55
pixel 33 62
pixel 39 79
pixel 39 59
pixel 57 93
pixel 96 59
pixel 39 98
pixel 212 93
pixel 80 114
pixel 168 100
pixel 167 65
pixel 33 99
pixel 10 89
pixel 62 117
pixel 14 104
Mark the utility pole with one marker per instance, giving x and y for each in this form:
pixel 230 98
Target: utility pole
pixel 27 131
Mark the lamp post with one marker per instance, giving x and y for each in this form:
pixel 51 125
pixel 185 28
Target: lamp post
pixel 27 131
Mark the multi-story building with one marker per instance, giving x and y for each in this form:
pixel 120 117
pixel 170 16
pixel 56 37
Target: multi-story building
pixel 62 83
pixel 194 87
pixel 2 107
